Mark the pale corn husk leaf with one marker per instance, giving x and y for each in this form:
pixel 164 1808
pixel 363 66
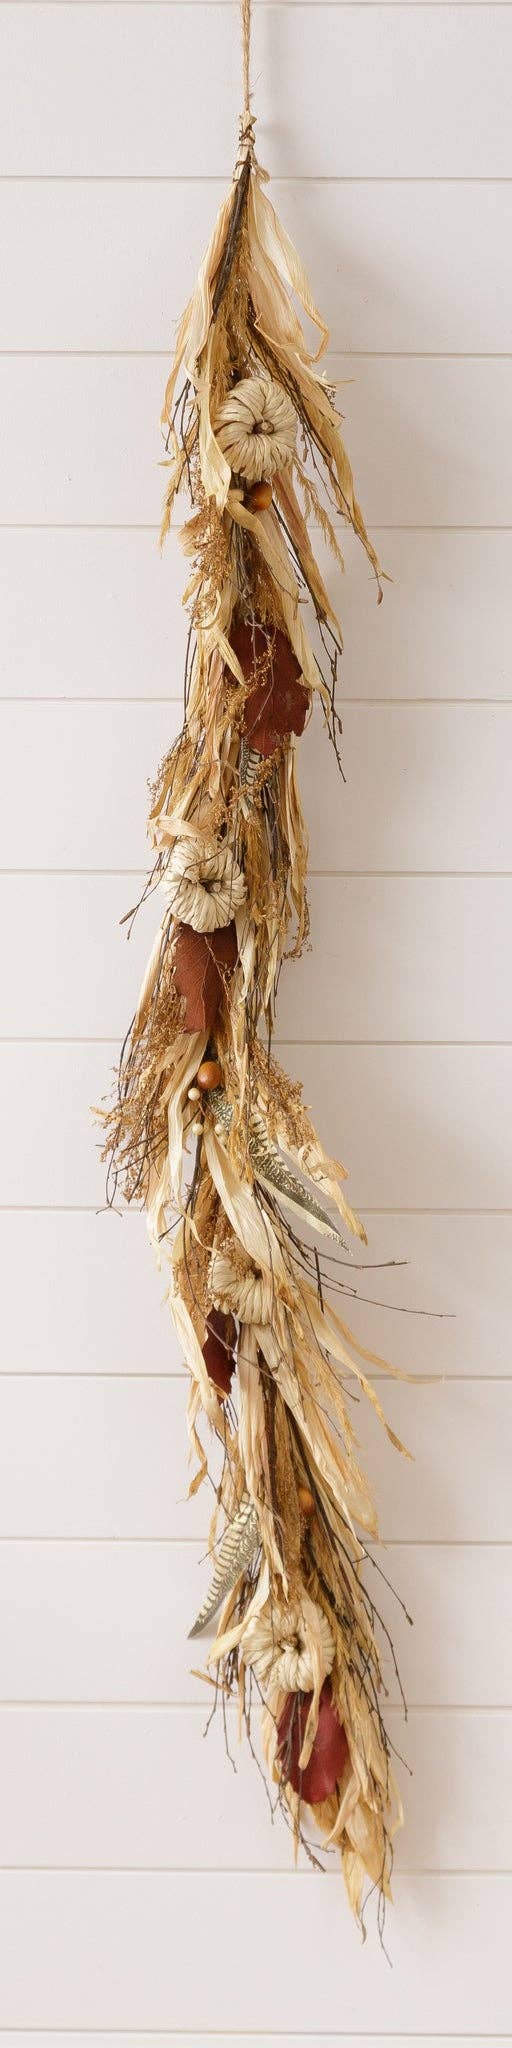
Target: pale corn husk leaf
pixel 265 528
pixel 284 492
pixel 254 1231
pixel 273 262
pixel 149 982
pixel 195 322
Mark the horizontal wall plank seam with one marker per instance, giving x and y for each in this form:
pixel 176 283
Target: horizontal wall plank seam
pixel 100 1208
pixel 495 703
pixel 323 874
pixel 248 2034
pixel 150 1707
pixel 211 178
pixel 372 355
pixel 477 1044
pixel 199 1708
pixel 230 1869
pixel 268 6
pixel 186 1542
pixel 145 526
pixel 136 1706
pixel 283 6
pixel 435 1379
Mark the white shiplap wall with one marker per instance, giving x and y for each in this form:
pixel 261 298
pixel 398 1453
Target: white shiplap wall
pixel 142 1889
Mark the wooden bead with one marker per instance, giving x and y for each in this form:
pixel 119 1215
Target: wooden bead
pixel 194 1094
pixel 259 497
pixel 209 1075
pixel 306 1502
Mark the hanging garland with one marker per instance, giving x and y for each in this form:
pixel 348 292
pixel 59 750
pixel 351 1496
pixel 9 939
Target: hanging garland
pixel 251 429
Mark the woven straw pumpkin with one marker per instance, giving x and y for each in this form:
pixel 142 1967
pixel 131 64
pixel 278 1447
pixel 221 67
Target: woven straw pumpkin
pixel 240 1289
pixel 256 428
pixel 277 1649
pixel 203 884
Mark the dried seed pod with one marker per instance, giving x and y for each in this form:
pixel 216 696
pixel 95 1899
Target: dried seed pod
pixel 306 1502
pixel 218 1350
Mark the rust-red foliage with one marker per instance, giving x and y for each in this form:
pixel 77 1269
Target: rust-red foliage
pixel 218 1349
pixel 202 960
pixel 277 703
pixel 329 1754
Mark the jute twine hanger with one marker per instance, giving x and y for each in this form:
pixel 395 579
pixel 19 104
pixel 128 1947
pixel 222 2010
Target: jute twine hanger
pixel 247 118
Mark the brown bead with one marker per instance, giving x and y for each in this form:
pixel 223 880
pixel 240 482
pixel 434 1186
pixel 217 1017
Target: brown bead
pixel 259 497
pixel 306 1502
pixel 209 1075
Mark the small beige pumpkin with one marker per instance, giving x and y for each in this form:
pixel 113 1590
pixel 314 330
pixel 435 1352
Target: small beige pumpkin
pixel 279 1646
pixel 240 1289
pixel 203 884
pixel 256 428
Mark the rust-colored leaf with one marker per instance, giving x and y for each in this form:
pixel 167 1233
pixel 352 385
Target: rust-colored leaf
pixel 202 960
pixel 277 703
pixel 330 1751
pixel 218 1349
